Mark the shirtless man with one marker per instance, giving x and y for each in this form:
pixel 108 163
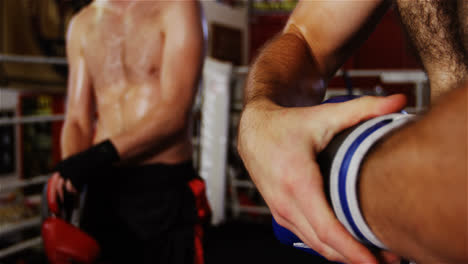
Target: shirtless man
pixel 413 186
pixel 134 70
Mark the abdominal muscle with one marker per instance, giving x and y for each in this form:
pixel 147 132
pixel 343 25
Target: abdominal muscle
pixel 120 110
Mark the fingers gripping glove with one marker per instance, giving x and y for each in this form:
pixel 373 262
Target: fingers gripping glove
pixel 340 164
pixel 79 167
pixel 49 206
pixel 63 242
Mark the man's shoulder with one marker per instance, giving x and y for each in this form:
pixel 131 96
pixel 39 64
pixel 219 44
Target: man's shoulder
pixel 80 21
pixel 85 14
pixel 180 5
pixel 186 4
pixel 180 9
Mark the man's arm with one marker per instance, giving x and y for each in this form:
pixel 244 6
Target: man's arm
pixel 317 40
pixel 280 135
pixel 181 68
pixel 413 186
pixel 78 131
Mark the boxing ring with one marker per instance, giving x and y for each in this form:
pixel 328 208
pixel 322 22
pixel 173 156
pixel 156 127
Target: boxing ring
pixel 215 147
pixel 13 183
pixel 33 59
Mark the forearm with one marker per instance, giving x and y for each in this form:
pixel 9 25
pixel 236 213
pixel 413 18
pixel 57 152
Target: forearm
pixel 154 132
pixel 285 73
pixel 75 138
pixel 413 186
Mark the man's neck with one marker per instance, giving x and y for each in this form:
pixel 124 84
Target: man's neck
pixel 118 6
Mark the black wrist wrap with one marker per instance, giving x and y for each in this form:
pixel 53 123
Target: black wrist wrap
pixel 79 167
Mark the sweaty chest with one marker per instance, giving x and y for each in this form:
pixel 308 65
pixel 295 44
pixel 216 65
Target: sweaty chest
pixel 125 50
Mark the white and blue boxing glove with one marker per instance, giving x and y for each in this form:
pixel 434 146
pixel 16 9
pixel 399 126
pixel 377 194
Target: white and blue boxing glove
pixel 340 165
pixel 342 160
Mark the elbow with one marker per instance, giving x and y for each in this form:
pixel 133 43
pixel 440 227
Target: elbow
pixel 177 119
pixel 180 124
pixel 74 129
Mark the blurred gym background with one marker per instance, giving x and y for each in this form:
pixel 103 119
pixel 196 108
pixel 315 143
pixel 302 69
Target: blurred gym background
pixel 33 74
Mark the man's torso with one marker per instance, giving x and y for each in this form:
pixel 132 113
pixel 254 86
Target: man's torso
pixel 123 54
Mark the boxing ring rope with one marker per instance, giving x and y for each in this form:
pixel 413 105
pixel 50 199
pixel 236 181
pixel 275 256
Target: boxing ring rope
pixel 33 59
pixel 10 228
pixel 30 119
pixel 23 224
pixel 398 76
pixel 390 76
pixel 23 183
pixel 11 185
pixel 33 242
pixel 416 77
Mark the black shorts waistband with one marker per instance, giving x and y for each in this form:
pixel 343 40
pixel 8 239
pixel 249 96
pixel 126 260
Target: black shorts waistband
pixel 155 168
pixel 147 177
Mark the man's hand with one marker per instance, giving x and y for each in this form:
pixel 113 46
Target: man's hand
pixel 57 184
pixel 80 167
pixel 75 171
pixel 279 147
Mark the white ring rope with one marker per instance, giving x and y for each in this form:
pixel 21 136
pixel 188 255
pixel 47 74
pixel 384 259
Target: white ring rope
pixel 399 75
pixel 23 183
pixel 31 119
pixel 34 242
pixel 18 226
pixel 33 59
pixel 387 76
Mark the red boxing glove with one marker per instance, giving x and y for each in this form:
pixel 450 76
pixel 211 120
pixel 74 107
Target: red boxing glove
pixel 63 242
pixel 66 244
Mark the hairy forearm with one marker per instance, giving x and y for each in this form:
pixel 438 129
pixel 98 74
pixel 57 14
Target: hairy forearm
pixel 75 138
pixel 413 186
pixel 285 73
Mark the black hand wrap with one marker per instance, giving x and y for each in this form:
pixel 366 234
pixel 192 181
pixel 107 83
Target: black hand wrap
pixel 79 167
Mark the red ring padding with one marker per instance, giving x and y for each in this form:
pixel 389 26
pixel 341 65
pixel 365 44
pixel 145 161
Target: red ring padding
pixel 198 188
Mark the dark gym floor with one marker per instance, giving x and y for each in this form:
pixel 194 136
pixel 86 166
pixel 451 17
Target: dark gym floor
pixel 233 242
pixel 248 243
